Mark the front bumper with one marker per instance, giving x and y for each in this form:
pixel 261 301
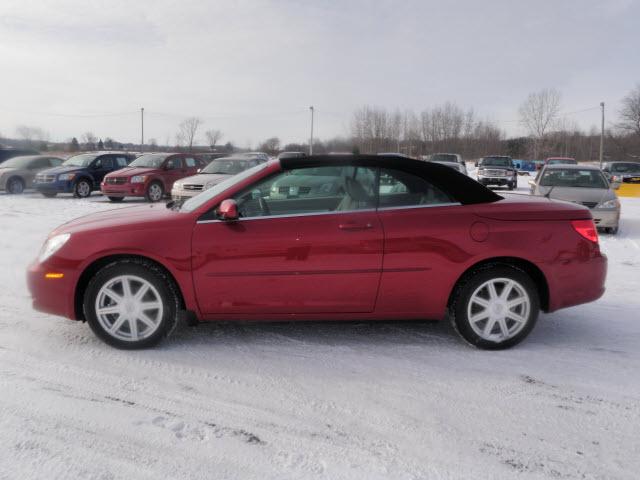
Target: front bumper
pixel 609 218
pixel 124 190
pixel 51 295
pixel 180 195
pixel 60 186
pixel 496 180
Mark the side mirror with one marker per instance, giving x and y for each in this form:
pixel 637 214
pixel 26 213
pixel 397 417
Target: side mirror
pixel 228 210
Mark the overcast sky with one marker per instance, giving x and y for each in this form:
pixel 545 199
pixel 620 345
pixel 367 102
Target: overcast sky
pixel 252 68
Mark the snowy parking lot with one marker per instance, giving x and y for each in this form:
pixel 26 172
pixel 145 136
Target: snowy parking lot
pixel 405 400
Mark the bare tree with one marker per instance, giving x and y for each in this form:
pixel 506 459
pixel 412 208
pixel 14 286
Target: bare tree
pixel 630 112
pixel 538 114
pixel 89 140
pixel 213 136
pixel 30 135
pixel 187 131
pixel 270 145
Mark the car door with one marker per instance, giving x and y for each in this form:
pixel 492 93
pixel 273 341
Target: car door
pixel 100 167
pixel 426 238
pixel 174 169
pixel 318 253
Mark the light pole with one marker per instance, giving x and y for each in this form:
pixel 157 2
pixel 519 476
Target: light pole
pixel 311 139
pixel 142 129
pixel 602 134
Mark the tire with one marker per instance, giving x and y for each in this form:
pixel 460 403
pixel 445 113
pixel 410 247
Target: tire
pixel 49 194
pixel 510 186
pixel 154 192
pixel 150 325
pixel 490 334
pixel 15 186
pixel 82 188
pixel 115 199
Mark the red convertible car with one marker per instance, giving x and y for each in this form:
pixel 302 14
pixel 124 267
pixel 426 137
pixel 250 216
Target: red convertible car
pixel 381 238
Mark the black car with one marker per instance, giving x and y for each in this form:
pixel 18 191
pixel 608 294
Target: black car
pixel 497 170
pixel 7 153
pixel 80 174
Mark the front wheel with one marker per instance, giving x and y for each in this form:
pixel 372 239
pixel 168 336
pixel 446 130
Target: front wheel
pixel 82 188
pixel 131 304
pixel 15 185
pixel 154 192
pixel 496 307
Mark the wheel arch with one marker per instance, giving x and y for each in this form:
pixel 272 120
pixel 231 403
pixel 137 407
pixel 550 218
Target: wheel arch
pixel 16 177
pixel 530 268
pixel 97 264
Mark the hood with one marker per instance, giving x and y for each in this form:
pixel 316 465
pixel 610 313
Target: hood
pixel 528 207
pixel 204 178
pixel 578 195
pixel 61 169
pixel 133 171
pixel 128 218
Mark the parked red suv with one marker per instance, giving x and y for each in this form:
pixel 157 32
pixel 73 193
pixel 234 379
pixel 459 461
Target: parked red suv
pixel 151 176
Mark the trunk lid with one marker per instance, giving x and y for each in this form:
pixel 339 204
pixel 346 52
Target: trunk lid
pixel 525 207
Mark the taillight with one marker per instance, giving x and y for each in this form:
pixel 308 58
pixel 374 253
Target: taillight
pixel 586 228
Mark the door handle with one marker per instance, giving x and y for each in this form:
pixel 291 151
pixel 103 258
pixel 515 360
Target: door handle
pixel 355 226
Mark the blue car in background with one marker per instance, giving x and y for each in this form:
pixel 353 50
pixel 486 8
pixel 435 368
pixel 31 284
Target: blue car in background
pixel 525 167
pixel 80 174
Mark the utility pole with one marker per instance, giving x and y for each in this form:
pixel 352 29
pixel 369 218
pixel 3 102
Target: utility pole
pixel 602 134
pixel 142 129
pixel 311 139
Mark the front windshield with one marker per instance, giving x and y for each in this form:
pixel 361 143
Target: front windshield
pixel 560 161
pixel 153 160
pixel 496 162
pixel 228 166
pixel 443 157
pixel 625 167
pixel 83 160
pixel 17 162
pixel 202 198
pixel 575 178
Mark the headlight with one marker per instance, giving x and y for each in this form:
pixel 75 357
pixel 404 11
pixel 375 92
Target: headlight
pixel 613 203
pixel 209 185
pixel 52 245
pixel 66 176
pixel 138 179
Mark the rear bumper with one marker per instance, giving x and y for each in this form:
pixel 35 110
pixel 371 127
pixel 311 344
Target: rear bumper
pixel 581 281
pixel 124 190
pixel 53 296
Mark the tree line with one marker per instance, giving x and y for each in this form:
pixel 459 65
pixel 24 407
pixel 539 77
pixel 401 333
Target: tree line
pixel 440 128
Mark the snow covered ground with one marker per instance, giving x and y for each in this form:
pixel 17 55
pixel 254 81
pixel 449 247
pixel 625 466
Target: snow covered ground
pixel 317 400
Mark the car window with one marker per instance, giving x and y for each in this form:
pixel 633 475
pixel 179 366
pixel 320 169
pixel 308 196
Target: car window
pixel 190 162
pixel 309 190
pixel 40 163
pixel 121 161
pixel 174 163
pixel 104 162
pixel 402 189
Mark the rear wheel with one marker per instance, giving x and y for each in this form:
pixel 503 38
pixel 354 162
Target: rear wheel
pixel 82 188
pixel 15 185
pixel 131 304
pixel 495 307
pixel 115 199
pixel 154 192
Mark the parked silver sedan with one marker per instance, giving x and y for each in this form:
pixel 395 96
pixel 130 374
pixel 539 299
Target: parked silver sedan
pixel 583 184
pixel 217 171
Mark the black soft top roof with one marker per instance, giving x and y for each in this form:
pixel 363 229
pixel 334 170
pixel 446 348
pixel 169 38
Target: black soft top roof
pixel 463 188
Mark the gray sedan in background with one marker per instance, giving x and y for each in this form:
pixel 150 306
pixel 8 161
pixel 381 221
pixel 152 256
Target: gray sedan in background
pixel 582 184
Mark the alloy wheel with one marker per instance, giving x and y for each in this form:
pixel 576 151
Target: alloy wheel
pixel 15 186
pixel 129 308
pixel 155 192
pixel 83 188
pixel 498 309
